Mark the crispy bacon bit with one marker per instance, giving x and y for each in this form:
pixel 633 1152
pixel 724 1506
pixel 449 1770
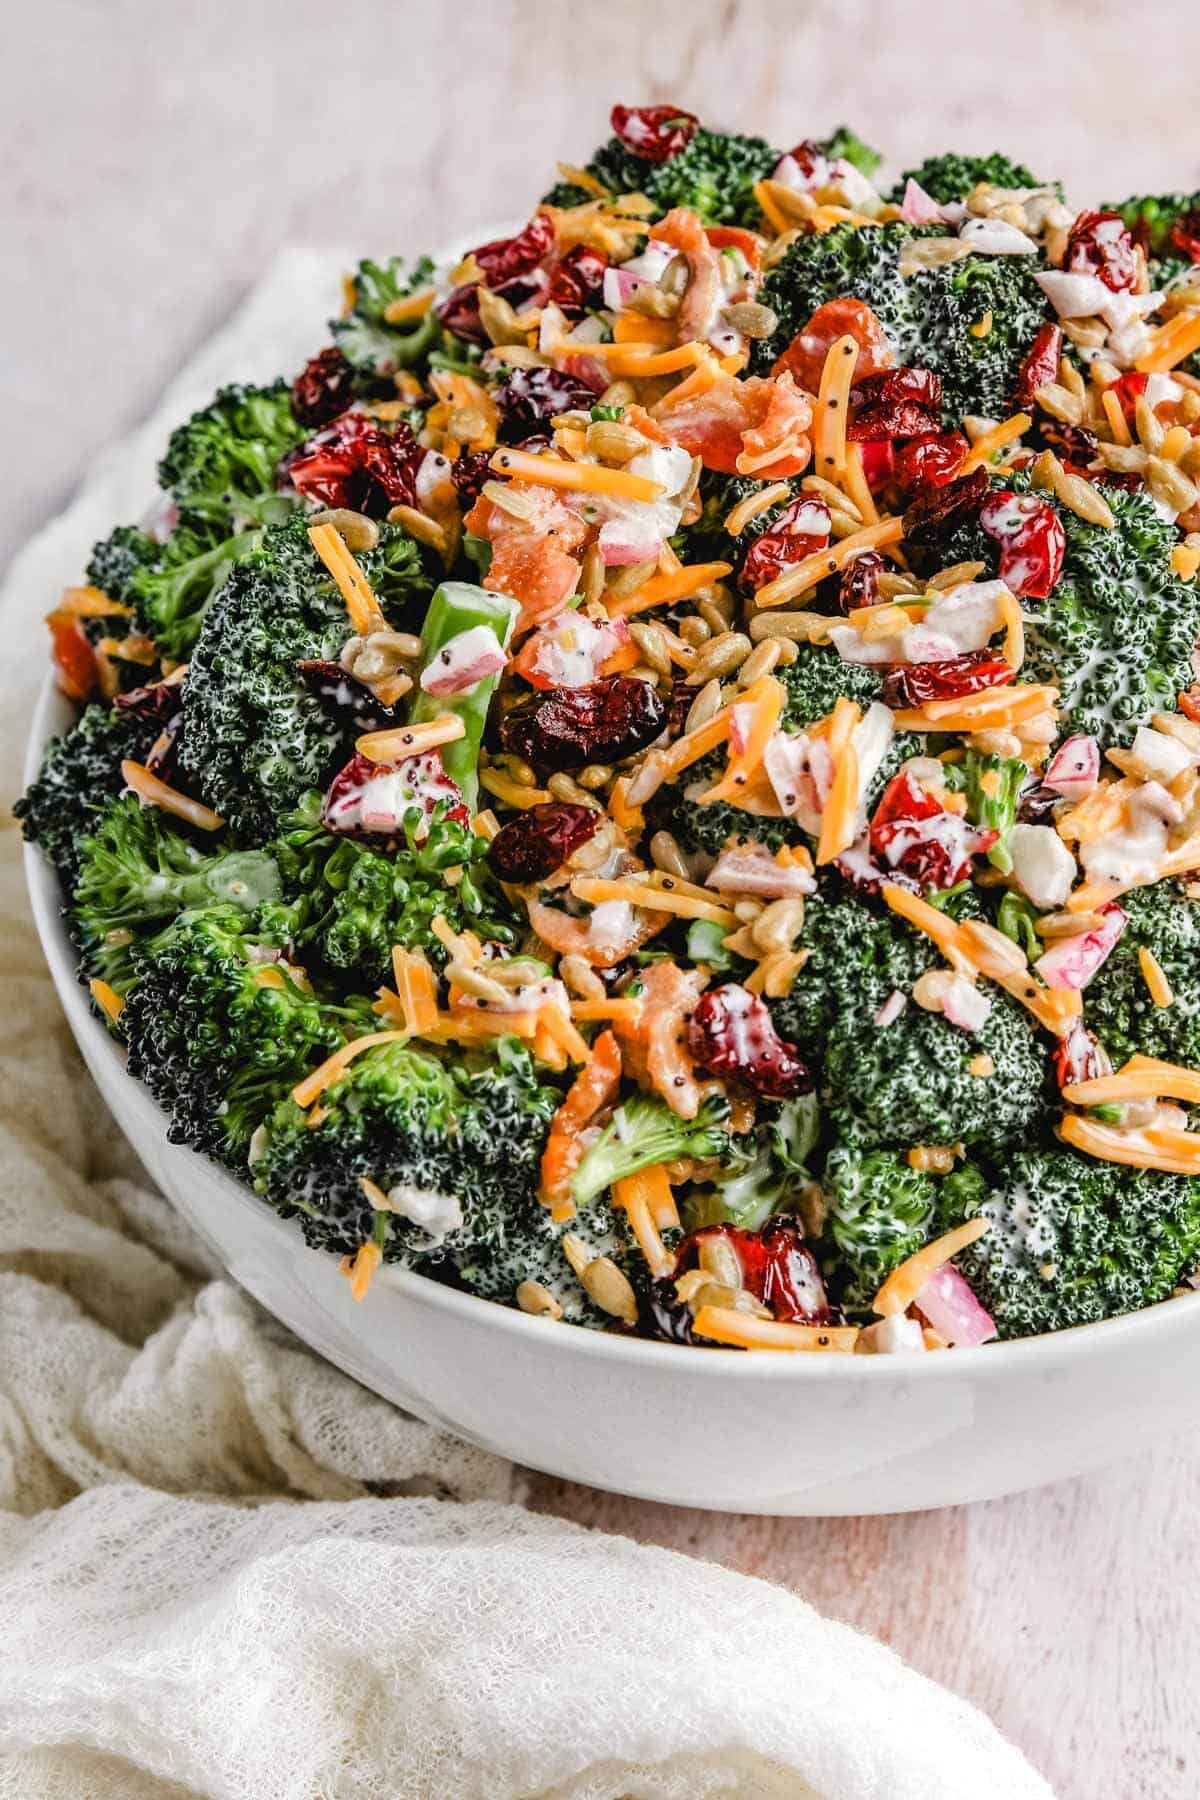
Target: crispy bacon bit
pixel 896 403
pixel 531 557
pixel 602 721
pixel 777 1268
pixel 656 133
pixel 655 1045
pixel 805 356
pixel 323 389
pixel 802 527
pixel 75 666
pixel 912 684
pixel 1031 539
pixel 732 417
pixel 1099 244
pixel 732 1034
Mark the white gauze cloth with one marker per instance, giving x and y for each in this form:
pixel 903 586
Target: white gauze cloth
pixel 227 1571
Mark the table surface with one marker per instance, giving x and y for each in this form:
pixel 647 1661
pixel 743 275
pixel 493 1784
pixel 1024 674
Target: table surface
pixel 156 155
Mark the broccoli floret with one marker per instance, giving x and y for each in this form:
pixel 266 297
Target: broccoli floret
pixel 909 1082
pixel 80 773
pixel 767 1180
pixel 817 680
pixel 707 827
pixel 375 348
pixel 469 1129
pixel 644 1130
pixel 222 467
pixel 1072 1240
pixel 255 738
pixel 951 177
pixel 1118 1007
pixel 136 872
pixel 354 902
pixel 846 143
pixel 219 1026
pixel 714 174
pixel 928 316
pixel 116 559
pixel 173 595
pixel 879 1213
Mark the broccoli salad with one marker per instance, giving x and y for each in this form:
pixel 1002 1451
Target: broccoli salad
pixel 657 781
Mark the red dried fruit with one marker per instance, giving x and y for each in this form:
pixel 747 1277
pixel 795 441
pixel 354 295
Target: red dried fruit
pixel 778 1268
pixel 878 463
pixel 1099 244
pixel 1129 389
pixel 1185 234
pixel 353 463
pixel 859 585
pixel 937 513
pixel 577 282
pixel 731 1033
pixel 801 528
pixel 1031 539
pixel 930 461
pixel 157 700
pixel 805 356
pixel 912 684
pixel 1075 444
pixel 601 722
pixel 381 798
pixel 468 472
pixel 502 258
pixel 459 313
pixel 656 133
pixel 1040 365
pixel 539 840
pixel 896 403
pixel 530 398
pixel 913 835
pixel 349 703
pixel 323 389
pixel 1078 1056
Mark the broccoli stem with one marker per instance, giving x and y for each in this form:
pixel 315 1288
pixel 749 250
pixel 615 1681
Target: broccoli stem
pixel 643 1132
pixel 458 606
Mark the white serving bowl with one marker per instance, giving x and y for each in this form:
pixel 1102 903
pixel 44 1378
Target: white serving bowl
pixel 762 1432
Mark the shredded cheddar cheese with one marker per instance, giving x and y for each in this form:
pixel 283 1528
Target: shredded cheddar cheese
pixel 815 568
pixel 355 589
pixel 995 440
pixel 153 792
pixel 743 1331
pixel 905 1283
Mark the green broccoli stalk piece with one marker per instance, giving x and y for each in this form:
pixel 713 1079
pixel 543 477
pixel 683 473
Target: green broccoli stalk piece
pixel 457 607
pixel 1119 1009
pixel 1071 1240
pixel 644 1130
pixel 879 1213
pixel 255 738
pixel 763 1180
pixel 135 872
pixel 1017 917
pixel 80 774
pixel 222 467
pixel 952 177
pixel 172 596
pixel 454 1143
pixel 353 902
pixel 375 348
pixel 992 785
pixel 216 1015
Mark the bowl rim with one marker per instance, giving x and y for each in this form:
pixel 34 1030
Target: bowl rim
pixel 1046 1352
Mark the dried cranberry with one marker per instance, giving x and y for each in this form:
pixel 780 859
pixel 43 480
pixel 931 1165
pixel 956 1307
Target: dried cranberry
pixel 577 282
pixel 801 528
pixel 679 706
pixel 732 1033
pixel 502 258
pixel 936 514
pixel 600 722
pixel 323 389
pixel 468 472
pixel 1036 802
pixel 354 463
pixel 1031 539
pixel 912 684
pixel 930 461
pixel 532 397
pixel 459 313
pixel 859 585
pixel 1185 234
pixel 348 702
pixel 665 1315
pixel 386 799
pixel 1129 389
pixel 896 403
pixel 1074 443
pixel 656 133
pixel 532 289
pixel 878 464
pixel 158 700
pixel 778 1268
pixel 1040 365
pixel 539 840
pixel 1099 244
pixel 914 835
pixel 1078 1056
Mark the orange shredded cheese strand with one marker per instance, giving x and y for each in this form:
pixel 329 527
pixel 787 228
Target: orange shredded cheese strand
pixel 767 700
pixel 704 376
pixel 1009 608
pixel 590 1011
pixel 628 361
pixel 107 999
pixel 590 478
pixel 1152 1081
pixel 564 1033
pixel 90 603
pixel 993 709
pixel 985 447
pixel 361 1271
pixel 926 918
pixel 638 1195
pixel 1171 343
pixel 739 516
pixel 631 819
pixel 1157 985
pixel 306 1091
pixel 905 1283
pixel 153 792
pixel 695 744
pixel 833 405
pixel 769 208
pixel 596 890
pixel 662 588
pixel 402 741
pixel 1176 1153
pixel 855 483
pixel 630 328
pixel 353 585
pixel 417 989
pixel 841 806
pixel 725 1325
pixel 412 306
pixel 1117 422
pixel 814 568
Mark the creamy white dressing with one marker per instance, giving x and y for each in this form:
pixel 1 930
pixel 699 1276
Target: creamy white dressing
pixel 437 1215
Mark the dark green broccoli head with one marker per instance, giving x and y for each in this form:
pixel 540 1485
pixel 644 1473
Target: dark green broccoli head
pixel 375 348
pixel 862 262
pixel 219 1027
pixel 714 174
pixel 1158 220
pixel 353 902
pixel 817 680
pixel 951 177
pixel 1117 1005
pixel 470 1128
pixel 116 559
pixel 1072 1240
pixel 255 739
pixel 704 827
pixel 136 871
pixel 80 773
pixel 222 467
pixel 879 1213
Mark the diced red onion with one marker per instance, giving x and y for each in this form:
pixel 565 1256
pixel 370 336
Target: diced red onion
pixel 1074 769
pixel 1072 962
pixel 947 1301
